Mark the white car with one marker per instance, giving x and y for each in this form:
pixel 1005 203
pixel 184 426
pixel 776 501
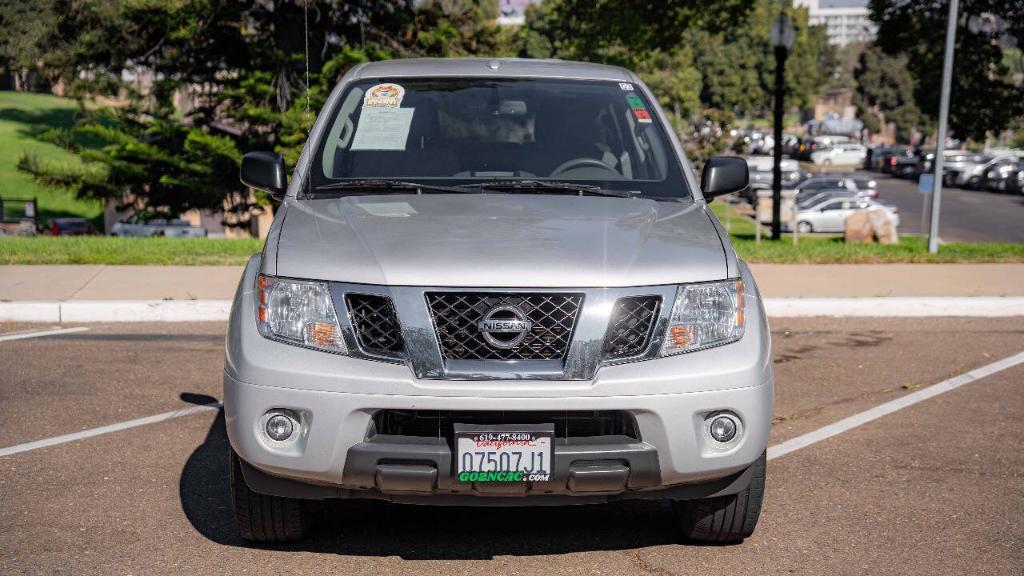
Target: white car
pixel 760 172
pixel 137 226
pixel 840 154
pixel 830 214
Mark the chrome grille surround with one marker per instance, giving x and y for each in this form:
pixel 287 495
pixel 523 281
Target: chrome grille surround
pixel 456 316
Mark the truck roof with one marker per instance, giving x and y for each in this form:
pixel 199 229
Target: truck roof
pixel 496 67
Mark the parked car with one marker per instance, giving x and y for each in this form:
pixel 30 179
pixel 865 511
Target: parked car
pixel 143 226
pixel 886 158
pixel 819 196
pixel 1017 183
pixel 997 174
pixel 960 167
pixel 830 214
pixel 859 185
pixel 823 142
pixel 463 290
pixel 761 175
pixel 843 154
pixel 866 183
pixel 912 163
pixel 70 227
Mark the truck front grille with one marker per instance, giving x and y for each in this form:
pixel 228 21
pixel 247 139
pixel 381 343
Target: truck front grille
pixel 376 324
pixel 630 326
pixel 456 316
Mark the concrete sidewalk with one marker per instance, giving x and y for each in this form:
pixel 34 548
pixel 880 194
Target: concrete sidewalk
pixel 78 283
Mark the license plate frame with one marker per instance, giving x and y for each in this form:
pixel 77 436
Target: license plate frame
pixel 533 441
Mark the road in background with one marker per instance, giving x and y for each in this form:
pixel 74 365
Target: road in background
pixel 967 215
pixel 913 492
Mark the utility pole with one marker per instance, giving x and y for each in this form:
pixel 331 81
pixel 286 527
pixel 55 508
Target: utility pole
pixel 782 36
pixel 940 144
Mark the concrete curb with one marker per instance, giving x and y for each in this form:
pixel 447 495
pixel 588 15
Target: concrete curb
pixel 218 310
pixel 981 306
pixel 116 311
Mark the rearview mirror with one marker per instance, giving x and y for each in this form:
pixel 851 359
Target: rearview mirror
pixel 723 175
pixel 264 171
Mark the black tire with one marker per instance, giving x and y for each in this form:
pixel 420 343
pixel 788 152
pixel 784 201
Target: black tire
pixel 804 227
pixel 724 518
pixel 263 518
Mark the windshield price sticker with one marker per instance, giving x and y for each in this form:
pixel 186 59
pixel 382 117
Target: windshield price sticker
pixel 626 86
pixel 383 129
pixel 503 456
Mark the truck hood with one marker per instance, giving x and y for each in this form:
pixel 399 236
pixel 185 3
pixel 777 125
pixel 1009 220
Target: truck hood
pixel 499 240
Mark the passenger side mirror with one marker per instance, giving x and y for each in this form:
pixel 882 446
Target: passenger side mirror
pixel 265 171
pixel 724 175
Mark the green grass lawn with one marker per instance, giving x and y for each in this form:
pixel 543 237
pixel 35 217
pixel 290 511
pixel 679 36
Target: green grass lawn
pixel 23 116
pixel 211 251
pixel 831 249
pixel 114 250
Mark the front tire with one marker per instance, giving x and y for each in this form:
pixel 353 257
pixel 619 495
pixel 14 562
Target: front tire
pixel 804 227
pixel 724 518
pixel 263 518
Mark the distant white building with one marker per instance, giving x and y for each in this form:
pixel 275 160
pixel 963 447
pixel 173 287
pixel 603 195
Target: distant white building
pixel 513 12
pixel 845 21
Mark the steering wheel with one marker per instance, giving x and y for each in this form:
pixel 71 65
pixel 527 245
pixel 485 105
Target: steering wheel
pixel 580 163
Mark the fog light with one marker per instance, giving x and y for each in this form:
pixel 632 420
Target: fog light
pixel 280 427
pixel 723 428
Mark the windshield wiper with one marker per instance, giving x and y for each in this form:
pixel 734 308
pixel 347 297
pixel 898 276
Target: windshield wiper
pixel 551 186
pixel 379 185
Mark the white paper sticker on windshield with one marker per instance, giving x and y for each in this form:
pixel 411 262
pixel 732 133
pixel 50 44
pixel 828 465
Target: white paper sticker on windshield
pixel 383 129
pixel 386 95
pixel 626 86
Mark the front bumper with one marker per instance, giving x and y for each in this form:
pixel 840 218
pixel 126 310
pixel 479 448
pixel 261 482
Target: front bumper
pixel 339 454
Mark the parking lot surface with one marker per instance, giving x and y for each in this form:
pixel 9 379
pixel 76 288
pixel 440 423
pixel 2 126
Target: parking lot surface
pixel 935 488
pixel 966 215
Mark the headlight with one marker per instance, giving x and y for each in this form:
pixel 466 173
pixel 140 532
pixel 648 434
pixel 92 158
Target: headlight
pixel 705 315
pixel 298 312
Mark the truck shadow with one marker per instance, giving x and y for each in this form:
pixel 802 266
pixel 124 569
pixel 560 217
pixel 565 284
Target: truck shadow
pixel 370 528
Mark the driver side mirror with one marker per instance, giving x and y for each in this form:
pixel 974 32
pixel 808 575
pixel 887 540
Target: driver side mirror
pixel 724 175
pixel 265 171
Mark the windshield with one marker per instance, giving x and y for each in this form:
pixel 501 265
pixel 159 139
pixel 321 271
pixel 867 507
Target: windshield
pixel 465 131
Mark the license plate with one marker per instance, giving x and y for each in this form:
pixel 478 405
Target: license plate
pixel 505 453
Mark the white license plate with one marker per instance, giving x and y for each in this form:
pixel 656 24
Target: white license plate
pixel 506 453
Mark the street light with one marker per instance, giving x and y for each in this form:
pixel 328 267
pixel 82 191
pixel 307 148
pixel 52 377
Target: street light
pixel 782 39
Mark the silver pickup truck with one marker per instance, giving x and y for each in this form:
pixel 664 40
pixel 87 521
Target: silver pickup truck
pixel 495 282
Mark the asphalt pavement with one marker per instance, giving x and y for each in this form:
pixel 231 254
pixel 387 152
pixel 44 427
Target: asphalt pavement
pixel 965 215
pixel 935 488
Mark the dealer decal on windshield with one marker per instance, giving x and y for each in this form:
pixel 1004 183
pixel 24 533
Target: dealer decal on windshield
pixel 638 108
pixel 387 95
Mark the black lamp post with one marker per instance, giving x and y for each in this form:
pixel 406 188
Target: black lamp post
pixel 782 39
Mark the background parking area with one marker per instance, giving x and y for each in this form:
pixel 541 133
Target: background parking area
pixel 966 215
pixel 935 488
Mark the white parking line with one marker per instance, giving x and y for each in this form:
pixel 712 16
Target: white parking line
pixel 791 445
pixel 794 444
pixel 107 429
pixel 38 333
